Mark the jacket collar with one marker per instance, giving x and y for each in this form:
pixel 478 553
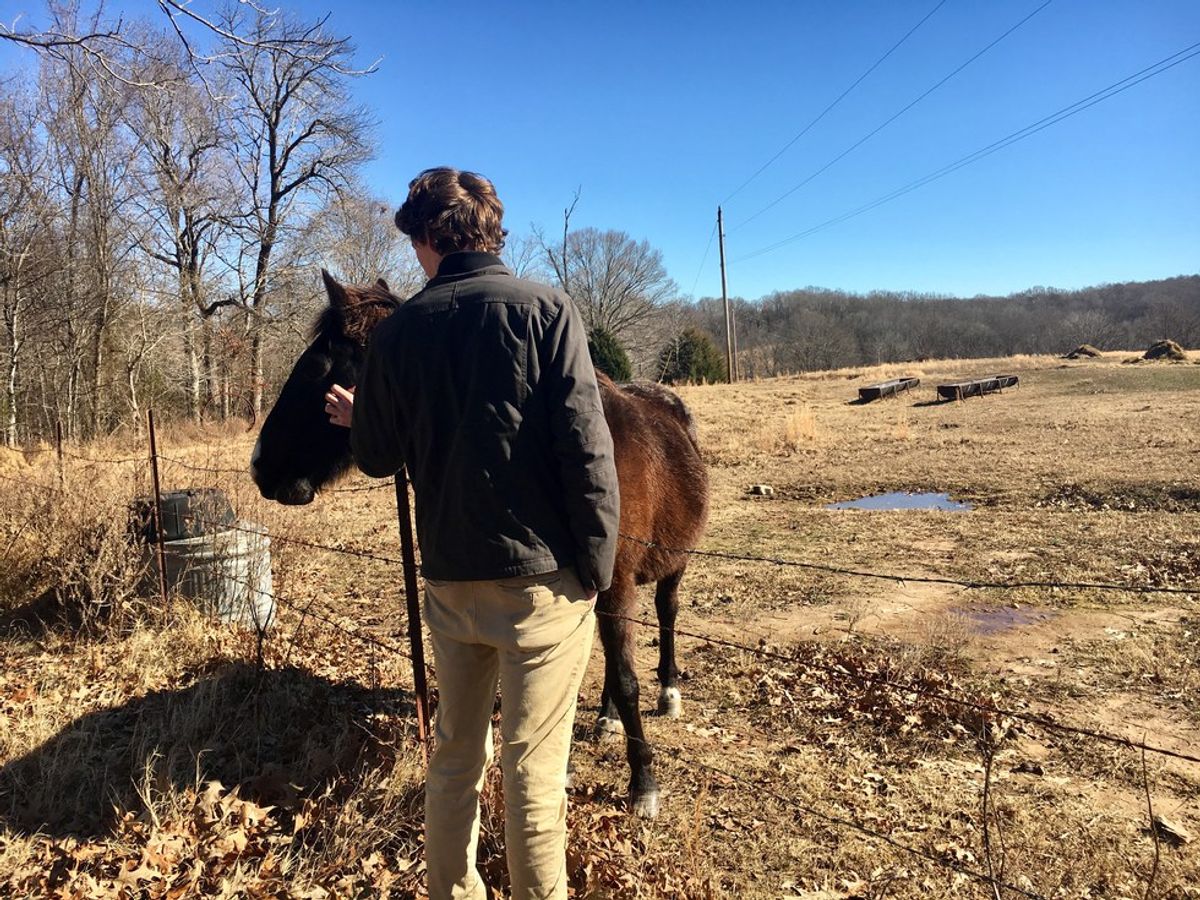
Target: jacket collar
pixel 469 262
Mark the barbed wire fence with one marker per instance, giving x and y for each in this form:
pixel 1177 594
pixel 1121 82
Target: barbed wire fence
pixel 989 710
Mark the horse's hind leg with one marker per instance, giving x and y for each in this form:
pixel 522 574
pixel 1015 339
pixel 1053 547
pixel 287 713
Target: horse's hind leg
pixel 666 602
pixel 617 637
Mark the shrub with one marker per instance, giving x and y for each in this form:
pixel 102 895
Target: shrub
pixel 608 355
pixel 691 356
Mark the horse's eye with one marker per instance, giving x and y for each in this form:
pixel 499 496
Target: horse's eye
pixel 316 366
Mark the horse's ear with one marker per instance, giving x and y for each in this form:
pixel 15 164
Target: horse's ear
pixel 337 293
pixel 383 284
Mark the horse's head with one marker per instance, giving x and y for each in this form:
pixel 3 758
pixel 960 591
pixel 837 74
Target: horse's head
pixel 299 450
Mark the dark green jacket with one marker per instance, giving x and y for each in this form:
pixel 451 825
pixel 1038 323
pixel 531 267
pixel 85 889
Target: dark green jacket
pixel 482 385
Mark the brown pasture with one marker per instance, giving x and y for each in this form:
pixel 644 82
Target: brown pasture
pixel 142 752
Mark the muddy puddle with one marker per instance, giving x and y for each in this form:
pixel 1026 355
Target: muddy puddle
pixel 904 500
pixel 989 620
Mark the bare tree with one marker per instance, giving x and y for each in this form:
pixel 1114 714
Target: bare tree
pixel 25 214
pixel 187 166
pixel 94 175
pixel 355 237
pixel 298 139
pixel 523 254
pixel 619 284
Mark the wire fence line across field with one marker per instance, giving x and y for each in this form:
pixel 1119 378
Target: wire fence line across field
pixel 974 584
pixel 1033 718
pixel 299 542
pixel 306 610
pixel 322 614
pixel 763 651
pixel 312 611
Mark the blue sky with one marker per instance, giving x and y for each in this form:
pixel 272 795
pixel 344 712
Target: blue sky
pixel 657 111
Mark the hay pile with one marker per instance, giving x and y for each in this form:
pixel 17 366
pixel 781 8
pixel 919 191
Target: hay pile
pixel 1083 351
pixel 1165 349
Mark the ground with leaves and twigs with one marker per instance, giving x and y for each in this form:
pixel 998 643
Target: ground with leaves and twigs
pixel 842 737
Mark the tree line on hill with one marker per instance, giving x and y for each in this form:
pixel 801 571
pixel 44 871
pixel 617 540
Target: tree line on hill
pixel 816 328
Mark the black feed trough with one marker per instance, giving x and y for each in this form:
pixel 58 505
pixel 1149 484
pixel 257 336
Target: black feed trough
pixel 961 390
pixel 887 388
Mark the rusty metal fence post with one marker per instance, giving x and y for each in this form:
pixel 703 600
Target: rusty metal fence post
pixel 160 538
pixel 416 645
pixel 58 442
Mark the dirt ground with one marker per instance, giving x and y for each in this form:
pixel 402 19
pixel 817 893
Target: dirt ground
pixel 159 760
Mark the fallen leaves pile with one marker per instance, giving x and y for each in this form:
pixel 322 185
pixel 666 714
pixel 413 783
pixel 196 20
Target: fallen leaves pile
pixel 855 691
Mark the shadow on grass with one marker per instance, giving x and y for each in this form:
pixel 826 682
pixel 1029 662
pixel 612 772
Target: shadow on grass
pixel 36 618
pixel 279 735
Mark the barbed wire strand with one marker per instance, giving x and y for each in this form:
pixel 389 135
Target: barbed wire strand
pixel 300 542
pixel 760 787
pixel 223 471
pixel 324 616
pixel 973 584
pixel 1041 721
pixel 1032 718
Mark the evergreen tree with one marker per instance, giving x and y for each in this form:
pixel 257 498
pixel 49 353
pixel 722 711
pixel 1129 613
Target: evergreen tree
pixel 691 356
pixel 608 355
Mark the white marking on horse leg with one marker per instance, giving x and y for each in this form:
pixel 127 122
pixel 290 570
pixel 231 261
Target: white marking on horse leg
pixel 609 728
pixel 670 703
pixel 254 457
pixel 646 806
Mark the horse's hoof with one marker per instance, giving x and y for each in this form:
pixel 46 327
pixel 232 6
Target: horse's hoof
pixel 646 805
pixel 608 728
pixel 670 703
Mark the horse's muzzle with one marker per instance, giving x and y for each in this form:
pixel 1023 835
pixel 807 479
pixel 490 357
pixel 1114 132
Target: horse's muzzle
pixel 295 493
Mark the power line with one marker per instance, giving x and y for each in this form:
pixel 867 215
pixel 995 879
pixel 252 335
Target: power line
pixel 842 96
pixel 1033 128
pixel 707 247
pixel 889 120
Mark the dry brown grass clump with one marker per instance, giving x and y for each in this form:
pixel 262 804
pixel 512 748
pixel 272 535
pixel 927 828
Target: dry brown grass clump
pixel 68 551
pixel 1084 351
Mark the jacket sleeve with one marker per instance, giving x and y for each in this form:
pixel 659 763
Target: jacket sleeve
pixel 374 425
pixel 582 447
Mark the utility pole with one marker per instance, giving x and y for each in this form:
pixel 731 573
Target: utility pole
pixel 725 299
pixel 737 366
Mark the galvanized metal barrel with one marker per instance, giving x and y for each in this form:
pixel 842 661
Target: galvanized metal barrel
pixel 227 573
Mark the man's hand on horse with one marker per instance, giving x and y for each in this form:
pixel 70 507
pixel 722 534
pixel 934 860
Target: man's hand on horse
pixel 339 404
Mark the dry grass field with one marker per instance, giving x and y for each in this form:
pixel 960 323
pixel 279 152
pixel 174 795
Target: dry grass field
pixel 143 753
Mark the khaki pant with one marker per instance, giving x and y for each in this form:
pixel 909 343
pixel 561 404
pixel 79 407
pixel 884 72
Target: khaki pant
pixel 534 635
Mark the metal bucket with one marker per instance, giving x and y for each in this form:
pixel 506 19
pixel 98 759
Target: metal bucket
pixel 226 573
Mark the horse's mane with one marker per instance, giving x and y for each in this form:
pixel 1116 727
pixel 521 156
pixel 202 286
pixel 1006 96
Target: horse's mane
pixel 365 307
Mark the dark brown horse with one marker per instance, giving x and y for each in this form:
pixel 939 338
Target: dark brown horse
pixel 664 498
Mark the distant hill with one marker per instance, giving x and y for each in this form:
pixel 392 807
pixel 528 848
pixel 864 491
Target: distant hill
pixel 819 328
